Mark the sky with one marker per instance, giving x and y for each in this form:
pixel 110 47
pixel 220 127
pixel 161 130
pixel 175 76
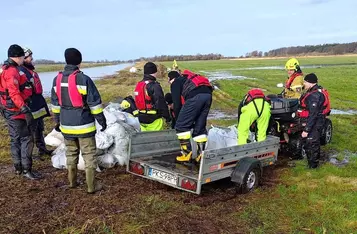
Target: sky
pixel 121 30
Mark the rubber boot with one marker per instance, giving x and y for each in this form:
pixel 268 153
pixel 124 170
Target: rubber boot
pixel 45 152
pixel 201 141
pixel 186 150
pixel 72 175
pixel 92 185
pixel 29 175
pixel 18 168
pixel 200 148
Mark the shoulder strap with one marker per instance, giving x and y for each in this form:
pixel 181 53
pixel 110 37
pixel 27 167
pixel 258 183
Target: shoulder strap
pixel 58 87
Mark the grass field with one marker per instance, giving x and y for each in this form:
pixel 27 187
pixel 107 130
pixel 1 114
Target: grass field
pixel 291 199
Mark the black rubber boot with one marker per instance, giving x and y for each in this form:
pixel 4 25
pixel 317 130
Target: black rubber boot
pixel 18 169
pixel 29 175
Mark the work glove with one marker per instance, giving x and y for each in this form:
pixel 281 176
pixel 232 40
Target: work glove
pixel 104 126
pixel 28 115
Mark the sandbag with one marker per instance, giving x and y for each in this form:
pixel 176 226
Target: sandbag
pixel 59 159
pixel 54 138
pixel 107 161
pixel 103 140
pixel 222 137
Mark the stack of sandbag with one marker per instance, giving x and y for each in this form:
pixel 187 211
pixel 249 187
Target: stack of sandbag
pixel 112 144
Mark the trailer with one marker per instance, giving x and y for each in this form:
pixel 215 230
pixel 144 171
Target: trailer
pixel 152 155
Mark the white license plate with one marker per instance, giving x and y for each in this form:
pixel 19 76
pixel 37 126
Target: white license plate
pixel 163 176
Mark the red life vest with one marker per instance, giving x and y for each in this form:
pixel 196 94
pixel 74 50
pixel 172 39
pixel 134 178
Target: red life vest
pixel 291 79
pixel 197 79
pixel 304 113
pixel 142 99
pixel 73 93
pixel 254 94
pixel 25 89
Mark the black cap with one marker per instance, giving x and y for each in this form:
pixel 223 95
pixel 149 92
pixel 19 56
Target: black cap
pixel 173 75
pixel 168 98
pixel 150 68
pixel 311 78
pixel 73 56
pixel 15 51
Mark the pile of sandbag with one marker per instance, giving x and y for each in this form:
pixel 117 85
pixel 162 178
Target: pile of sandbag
pixel 112 144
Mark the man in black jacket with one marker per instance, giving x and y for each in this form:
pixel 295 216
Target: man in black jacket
pixel 192 99
pixel 312 105
pixel 150 101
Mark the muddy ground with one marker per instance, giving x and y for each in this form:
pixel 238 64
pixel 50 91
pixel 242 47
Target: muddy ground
pixel 127 205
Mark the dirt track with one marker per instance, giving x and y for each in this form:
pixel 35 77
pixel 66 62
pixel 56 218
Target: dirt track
pixel 127 205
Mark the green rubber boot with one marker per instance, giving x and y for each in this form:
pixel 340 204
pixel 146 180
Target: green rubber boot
pixel 92 185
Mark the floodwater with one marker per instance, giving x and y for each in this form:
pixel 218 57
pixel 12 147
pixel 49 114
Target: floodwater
pixel 93 72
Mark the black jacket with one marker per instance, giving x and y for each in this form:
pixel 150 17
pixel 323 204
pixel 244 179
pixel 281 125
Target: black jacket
pixel 314 104
pixel 176 91
pixel 77 122
pixel 156 94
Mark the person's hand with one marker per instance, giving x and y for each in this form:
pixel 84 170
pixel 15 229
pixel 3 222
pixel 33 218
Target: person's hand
pixel 104 126
pixel 304 134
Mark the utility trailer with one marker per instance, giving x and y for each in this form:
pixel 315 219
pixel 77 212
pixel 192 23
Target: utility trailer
pixel 152 155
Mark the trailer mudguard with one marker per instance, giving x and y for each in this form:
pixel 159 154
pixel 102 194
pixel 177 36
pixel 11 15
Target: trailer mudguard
pixel 243 166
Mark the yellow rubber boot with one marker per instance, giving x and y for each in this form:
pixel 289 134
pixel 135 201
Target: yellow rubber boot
pixel 201 141
pixel 186 148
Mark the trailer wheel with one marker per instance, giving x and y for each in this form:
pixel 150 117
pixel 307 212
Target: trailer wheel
pixel 250 182
pixel 326 135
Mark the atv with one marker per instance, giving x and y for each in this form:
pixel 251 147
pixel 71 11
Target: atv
pixel 288 126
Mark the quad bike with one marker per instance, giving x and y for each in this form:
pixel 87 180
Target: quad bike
pixel 288 126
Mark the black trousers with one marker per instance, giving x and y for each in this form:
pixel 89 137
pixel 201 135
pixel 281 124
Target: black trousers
pixel 312 145
pixel 37 129
pixel 21 143
pixel 193 114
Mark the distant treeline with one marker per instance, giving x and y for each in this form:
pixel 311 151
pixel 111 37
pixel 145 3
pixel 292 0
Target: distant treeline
pixel 324 49
pixel 47 61
pixel 162 58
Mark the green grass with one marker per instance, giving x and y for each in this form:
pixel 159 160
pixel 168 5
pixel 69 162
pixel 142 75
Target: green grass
pixel 300 201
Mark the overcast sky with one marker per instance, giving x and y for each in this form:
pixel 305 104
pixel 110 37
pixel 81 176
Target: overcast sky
pixel 118 29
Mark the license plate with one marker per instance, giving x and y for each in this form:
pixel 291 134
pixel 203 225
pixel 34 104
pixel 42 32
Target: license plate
pixel 163 176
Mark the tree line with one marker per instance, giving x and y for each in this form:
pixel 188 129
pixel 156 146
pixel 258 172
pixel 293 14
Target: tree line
pixel 323 49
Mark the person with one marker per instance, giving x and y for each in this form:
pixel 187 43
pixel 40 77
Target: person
pixel 295 83
pixel 314 106
pixel 192 99
pixel 128 105
pixel 15 93
pixel 38 104
pixel 150 101
pixel 170 106
pixel 76 104
pixel 254 108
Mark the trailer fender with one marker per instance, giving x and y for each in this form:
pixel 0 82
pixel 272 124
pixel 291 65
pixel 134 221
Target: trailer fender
pixel 244 166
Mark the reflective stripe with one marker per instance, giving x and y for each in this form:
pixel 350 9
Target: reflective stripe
pixel 54 89
pixel 184 135
pixel 82 129
pixel 200 138
pixel 56 109
pixel 64 84
pixel 150 112
pixel 39 113
pixel 82 89
pixel 96 109
pixel 21 73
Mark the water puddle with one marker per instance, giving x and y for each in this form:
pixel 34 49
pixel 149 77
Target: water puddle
pixel 217 114
pixel 283 67
pixel 343 112
pixel 223 75
pixel 341 160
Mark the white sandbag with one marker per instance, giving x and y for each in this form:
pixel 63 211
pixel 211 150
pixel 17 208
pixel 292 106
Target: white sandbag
pixel 110 117
pixel 107 161
pixel 133 121
pixel 120 148
pixel 54 138
pixel 116 130
pixel 103 140
pixel 121 160
pixel 59 159
pixel 222 137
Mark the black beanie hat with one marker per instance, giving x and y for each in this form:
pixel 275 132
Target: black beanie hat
pixel 15 51
pixel 173 75
pixel 150 68
pixel 73 56
pixel 168 98
pixel 311 78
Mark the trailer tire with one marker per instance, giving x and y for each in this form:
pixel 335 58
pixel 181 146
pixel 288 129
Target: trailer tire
pixel 326 135
pixel 251 181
